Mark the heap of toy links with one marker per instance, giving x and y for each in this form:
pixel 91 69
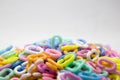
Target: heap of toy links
pixel 60 59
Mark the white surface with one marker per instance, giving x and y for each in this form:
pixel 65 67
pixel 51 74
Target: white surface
pixel 25 21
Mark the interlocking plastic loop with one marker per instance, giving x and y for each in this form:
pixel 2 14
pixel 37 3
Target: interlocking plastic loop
pixel 10 54
pixel 93 51
pixel 94 47
pixel 6 74
pixel 6 49
pixel 22 56
pixel 5 66
pixel 54 54
pixel 34 57
pixel 68 48
pixel 82 53
pixel 14 78
pixel 95 68
pixel 69 76
pixel 32 73
pixel 105 78
pixel 102 52
pixel 31 49
pixel 81 43
pixel 79 57
pixel 89 76
pixel 20 69
pixel 114 77
pixel 108 65
pixel 33 66
pixel 54 39
pixel 10 60
pixel 48 76
pixel 29 76
pixel 79 66
pixel 60 59
pixel 115 60
pixel 112 53
pixel 16 64
pixel 42 68
pixel 1 59
pixel 53 65
pixel 75 66
pixel 68 59
pixel 104 73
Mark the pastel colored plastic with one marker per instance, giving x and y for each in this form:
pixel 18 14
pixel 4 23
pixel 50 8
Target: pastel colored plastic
pixel 31 49
pixel 82 53
pixel 59 75
pixel 53 65
pixel 25 76
pixel 47 76
pixel 86 68
pixel 104 73
pixel 105 78
pixel 114 77
pixel 14 78
pixel 44 44
pixel 82 40
pixel 31 73
pixel 54 39
pixel 16 64
pixel 92 52
pixel 69 76
pixel 20 69
pixel 75 66
pixel 6 74
pixel 102 52
pixel 112 53
pixel 65 42
pixel 94 46
pixel 68 59
pixel 81 43
pixel 10 60
pixel 54 54
pixel 116 61
pixel 22 56
pixel 68 48
pixel 79 57
pixel 60 59
pixel 34 57
pixel 6 49
pixel 79 66
pixel 107 65
pixel 1 59
pixel 89 76
pixel 44 69
pixel 30 76
pixel 10 54
pixel 5 66
pixel 95 68
pixel 32 68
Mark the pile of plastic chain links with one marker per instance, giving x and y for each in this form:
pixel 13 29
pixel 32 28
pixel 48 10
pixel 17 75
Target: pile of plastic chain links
pixel 60 59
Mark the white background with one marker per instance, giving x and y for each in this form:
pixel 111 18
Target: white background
pixel 26 21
